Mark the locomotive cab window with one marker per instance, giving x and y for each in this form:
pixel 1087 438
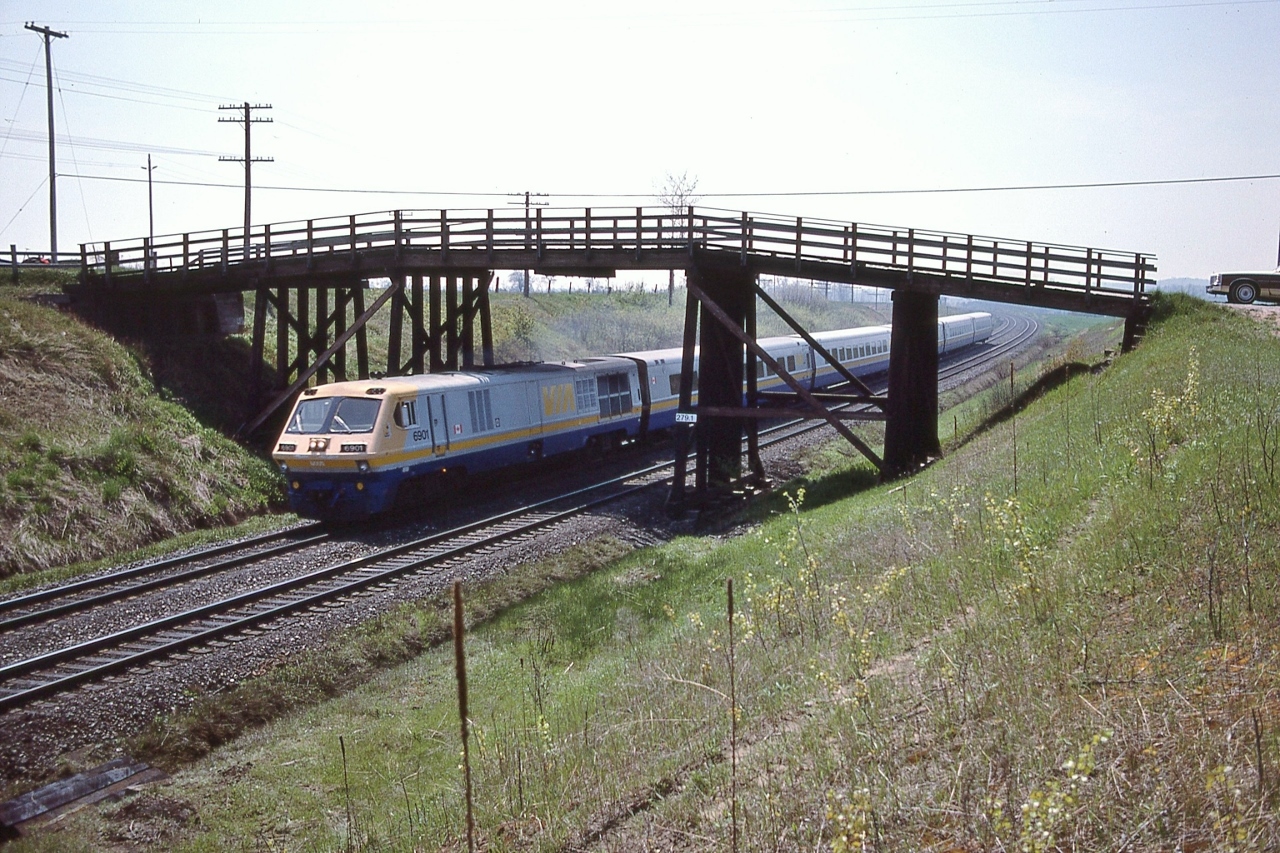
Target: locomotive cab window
pixel 334 414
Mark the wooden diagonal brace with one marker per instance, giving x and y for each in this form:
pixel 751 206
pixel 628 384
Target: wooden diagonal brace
pixel 305 375
pixel 840 368
pixel 718 312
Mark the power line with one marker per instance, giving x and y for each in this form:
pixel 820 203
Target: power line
pixel 122 98
pixel 924 11
pixel 796 194
pixel 113 144
pixel 66 123
pixel 25 85
pixel 24 205
pixel 123 85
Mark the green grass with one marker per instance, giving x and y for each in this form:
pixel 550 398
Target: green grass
pixel 1085 661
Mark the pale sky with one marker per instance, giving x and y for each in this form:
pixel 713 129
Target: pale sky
pixel 482 99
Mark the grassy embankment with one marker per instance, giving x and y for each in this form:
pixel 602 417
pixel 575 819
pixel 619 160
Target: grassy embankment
pixel 95 460
pixel 1076 651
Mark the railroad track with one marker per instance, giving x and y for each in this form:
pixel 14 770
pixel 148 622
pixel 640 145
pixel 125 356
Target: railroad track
pixel 31 679
pixel 40 676
pixel 51 602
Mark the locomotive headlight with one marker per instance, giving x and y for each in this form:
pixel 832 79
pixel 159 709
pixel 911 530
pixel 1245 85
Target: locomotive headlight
pixel 363 466
pixel 284 468
pixel 296 485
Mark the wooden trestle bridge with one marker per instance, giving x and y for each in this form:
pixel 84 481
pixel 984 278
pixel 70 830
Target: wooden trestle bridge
pixel 441 265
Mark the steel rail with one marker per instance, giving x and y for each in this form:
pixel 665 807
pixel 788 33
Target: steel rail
pixel 31 598
pixel 77 604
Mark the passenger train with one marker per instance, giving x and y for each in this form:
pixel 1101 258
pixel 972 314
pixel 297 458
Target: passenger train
pixel 349 447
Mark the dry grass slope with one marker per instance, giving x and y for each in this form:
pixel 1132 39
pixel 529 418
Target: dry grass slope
pixel 93 461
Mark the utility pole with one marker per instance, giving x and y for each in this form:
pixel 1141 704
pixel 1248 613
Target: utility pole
pixel 53 174
pixel 151 208
pixel 528 203
pixel 248 159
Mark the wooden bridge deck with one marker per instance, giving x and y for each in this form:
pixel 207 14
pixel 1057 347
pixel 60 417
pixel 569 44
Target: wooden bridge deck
pixel 600 242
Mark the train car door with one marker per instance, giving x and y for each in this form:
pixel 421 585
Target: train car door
pixel 438 419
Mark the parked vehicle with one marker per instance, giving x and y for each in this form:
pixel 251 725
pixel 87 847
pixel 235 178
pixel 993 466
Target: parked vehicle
pixel 1245 287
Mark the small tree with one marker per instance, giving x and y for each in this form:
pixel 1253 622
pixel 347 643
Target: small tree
pixel 677 194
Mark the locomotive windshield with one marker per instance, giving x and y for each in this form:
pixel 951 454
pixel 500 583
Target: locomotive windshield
pixel 334 414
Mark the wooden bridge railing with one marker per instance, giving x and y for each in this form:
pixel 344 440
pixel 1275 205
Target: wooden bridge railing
pixel 495 233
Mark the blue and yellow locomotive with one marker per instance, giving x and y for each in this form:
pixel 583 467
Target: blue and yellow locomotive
pixel 348 447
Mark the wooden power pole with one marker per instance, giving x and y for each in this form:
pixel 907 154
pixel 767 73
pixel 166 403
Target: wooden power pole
pixel 248 159
pixel 53 173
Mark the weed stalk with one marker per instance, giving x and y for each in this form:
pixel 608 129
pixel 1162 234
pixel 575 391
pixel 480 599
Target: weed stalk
pixel 460 666
pixel 733 730
pixel 346 789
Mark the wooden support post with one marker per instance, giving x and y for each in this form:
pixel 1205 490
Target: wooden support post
pixel 362 338
pixel 853 253
pixel 444 237
pixel 395 333
pixel 488 236
pixel 434 342
pixel 282 335
pixel 451 323
pixel 753 392
pixel 911 431
pixel 341 296
pixel 468 322
pixel 320 339
pixel 258 343
pixel 420 340
pixel 675 502
pixel 486 319
pixel 302 331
